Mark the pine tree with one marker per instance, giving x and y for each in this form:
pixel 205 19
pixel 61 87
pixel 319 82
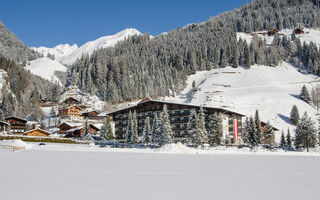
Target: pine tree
pixel 253 135
pixel 289 142
pixel 215 129
pixel 257 126
pixel 306 133
pixel 283 140
pixel 294 115
pixel 246 130
pixel 268 134
pixel 201 135
pixel 106 130
pixel 156 130
pixel 86 134
pixel 304 95
pixel 147 134
pixel 192 126
pixel 166 131
pixel 134 137
pixel 129 131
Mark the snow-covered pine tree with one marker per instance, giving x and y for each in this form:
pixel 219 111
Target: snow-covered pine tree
pixel 294 115
pixel 166 131
pixel 129 131
pixel 134 137
pixel 289 141
pixel 109 134
pixel 156 130
pixel 215 129
pixel 52 112
pixel 268 135
pixel 147 134
pixel 201 135
pixel 86 134
pixel 192 126
pixel 306 133
pixel 246 130
pixel 257 126
pixel 253 135
pixel 283 140
pixel 304 95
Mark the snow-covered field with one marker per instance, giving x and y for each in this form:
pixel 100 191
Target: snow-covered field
pixel 271 90
pixel 78 172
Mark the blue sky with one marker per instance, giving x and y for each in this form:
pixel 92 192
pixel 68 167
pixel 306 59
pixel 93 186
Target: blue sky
pixel 53 22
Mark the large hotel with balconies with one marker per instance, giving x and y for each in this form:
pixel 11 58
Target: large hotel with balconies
pixel 179 117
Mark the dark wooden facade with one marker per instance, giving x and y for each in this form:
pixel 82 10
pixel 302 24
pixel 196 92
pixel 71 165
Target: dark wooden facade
pixel 272 32
pixel 91 115
pixel 77 132
pixel 17 125
pixel 71 101
pixel 298 31
pixel 179 117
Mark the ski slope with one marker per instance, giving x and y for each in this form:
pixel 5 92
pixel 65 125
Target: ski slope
pixel 271 90
pixel 45 68
pixel 58 51
pixel 81 175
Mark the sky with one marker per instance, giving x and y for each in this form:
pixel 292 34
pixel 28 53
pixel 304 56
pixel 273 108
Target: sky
pixel 52 22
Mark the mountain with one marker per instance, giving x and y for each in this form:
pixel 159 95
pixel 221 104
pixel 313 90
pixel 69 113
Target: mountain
pixel 12 48
pixel 67 54
pixel 102 42
pixel 58 51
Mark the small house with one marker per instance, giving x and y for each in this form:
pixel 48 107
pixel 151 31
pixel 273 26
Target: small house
pixel 298 31
pixel 37 132
pixel 78 131
pixel 272 32
pixel 71 101
pixel 66 126
pixel 4 127
pixel 17 125
pixel 90 115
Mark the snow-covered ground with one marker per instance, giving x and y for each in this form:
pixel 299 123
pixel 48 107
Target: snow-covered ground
pixel 271 90
pixel 3 75
pixel 45 68
pixel 53 172
pixel 58 51
pixel 310 35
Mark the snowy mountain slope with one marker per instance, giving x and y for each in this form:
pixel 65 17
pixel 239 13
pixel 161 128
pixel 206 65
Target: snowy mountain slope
pixel 310 35
pixel 58 51
pixel 45 68
pixel 3 75
pixel 103 42
pixel 271 90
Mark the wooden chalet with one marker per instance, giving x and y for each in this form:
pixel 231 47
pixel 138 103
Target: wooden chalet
pixel 66 126
pixel 179 117
pixel 71 101
pixel 71 112
pixel 17 125
pixel 272 32
pixel 37 132
pixel 298 31
pixel 267 140
pixel 91 115
pixel 4 127
pixel 78 131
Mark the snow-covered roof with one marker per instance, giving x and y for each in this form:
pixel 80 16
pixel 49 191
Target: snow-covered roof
pixel 37 129
pixel 17 118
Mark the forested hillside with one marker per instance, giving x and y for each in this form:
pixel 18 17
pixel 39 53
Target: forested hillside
pixel 22 91
pixel 12 48
pixel 143 67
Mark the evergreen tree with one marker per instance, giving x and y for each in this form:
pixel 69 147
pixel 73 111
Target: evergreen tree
pixel 257 125
pixel 147 132
pixel 289 142
pixel 135 137
pixel 294 115
pixel 246 130
pixel 215 129
pixel 192 126
pixel 304 95
pixel 253 135
pixel 106 130
pixel 129 131
pixel 201 135
pixel 283 140
pixel 86 135
pixel 268 135
pixel 166 131
pixel 306 133
pixel 52 112
pixel 156 130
